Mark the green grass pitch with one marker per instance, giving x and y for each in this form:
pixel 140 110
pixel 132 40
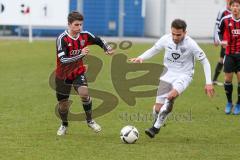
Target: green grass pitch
pixel 198 129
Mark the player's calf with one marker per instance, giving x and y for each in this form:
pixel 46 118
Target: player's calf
pixel 63 108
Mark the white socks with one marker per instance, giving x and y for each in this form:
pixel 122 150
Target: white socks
pixel 162 116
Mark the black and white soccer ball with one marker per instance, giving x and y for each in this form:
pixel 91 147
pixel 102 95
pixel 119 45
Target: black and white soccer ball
pixel 129 134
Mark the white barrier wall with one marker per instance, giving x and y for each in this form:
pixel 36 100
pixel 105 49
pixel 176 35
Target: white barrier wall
pixel 152 20
pixel 34 12
pixel 200 16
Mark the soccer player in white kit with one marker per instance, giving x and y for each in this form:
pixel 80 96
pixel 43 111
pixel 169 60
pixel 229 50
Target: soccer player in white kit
pixel 180 54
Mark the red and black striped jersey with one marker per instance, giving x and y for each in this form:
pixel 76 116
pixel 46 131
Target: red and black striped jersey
pixel 231 26
pixel 69 57
pixel 222 13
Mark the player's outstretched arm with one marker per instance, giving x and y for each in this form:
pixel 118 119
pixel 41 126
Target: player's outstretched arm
pixel 107 48
pixel 92 39
pixel 209 90
pixel 146 55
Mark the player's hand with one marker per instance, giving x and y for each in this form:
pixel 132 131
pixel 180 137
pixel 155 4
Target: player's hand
pixel 224 44
pixel 85 51
pixel 136 60
pixel 110 51
pixel 216 43
pixel 209 90
pixel 86 68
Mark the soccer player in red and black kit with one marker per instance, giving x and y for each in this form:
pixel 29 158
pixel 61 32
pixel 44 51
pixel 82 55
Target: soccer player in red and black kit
pixel 231 25
pixel 71 48
pixel 222 13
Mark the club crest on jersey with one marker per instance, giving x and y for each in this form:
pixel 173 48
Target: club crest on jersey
pixel 175 56
pixel 183 49
pixel 69 44
pixel 230 24
pixel 82 42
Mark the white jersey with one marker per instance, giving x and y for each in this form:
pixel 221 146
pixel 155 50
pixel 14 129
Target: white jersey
pixel 178 58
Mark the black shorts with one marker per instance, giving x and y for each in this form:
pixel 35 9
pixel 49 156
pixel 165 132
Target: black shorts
pixel 64 87
pixel 232 63
pixel 222 52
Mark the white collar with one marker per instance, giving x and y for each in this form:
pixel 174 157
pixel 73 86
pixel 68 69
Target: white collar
pixel 67 32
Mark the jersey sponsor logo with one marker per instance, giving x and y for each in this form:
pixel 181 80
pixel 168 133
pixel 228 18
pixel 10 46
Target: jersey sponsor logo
pixel 75 52
pixel 175 56
pixel 236 31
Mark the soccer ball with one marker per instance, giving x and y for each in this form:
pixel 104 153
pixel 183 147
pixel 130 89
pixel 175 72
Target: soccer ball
pixel 129 134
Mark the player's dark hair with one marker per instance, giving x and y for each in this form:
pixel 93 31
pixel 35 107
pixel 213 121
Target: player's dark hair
pixel 74 16
pixel 234 1
pixel 179 24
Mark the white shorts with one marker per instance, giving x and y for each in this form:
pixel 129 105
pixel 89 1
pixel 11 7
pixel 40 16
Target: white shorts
pixel 172 81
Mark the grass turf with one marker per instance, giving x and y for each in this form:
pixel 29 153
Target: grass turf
pixel 197 129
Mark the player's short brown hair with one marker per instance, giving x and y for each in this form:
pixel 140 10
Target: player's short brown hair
pixel 234 1
pixel 179 24
pixel 74 16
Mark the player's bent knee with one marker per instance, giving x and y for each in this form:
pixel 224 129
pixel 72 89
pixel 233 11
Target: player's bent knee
pixel 228 78
pixel 83 92
pixel 173 94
